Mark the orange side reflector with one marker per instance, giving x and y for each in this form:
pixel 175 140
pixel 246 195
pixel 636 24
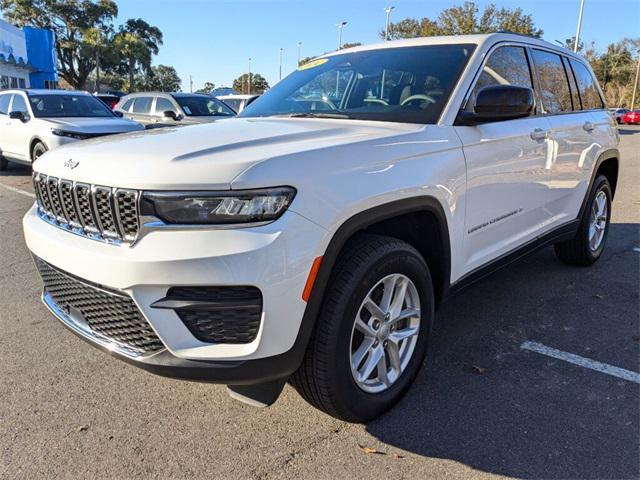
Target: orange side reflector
pixel 311 279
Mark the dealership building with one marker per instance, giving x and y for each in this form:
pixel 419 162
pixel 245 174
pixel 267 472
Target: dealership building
pixel 27 57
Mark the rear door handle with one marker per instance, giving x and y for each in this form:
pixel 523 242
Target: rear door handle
pixel 588 127
pixel 539 134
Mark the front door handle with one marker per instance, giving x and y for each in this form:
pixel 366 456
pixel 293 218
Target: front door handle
pixel 539 134
pixel 588 127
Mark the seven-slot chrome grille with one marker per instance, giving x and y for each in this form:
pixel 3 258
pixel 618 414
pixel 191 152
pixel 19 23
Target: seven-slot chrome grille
pixel 99 212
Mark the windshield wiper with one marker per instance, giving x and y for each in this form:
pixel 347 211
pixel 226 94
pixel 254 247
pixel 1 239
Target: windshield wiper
pixel 318 115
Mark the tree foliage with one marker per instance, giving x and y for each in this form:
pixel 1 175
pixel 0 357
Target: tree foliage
pixel 615 69
pixel 258 83
pixel 207 88
pixel 159 79
pixel 465 19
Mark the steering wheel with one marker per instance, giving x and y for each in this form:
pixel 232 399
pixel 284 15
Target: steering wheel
pixel 418 96
pixel 376 100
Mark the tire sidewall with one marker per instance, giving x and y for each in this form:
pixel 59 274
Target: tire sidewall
pixel 38 146
pixel 363 405
pixel 601 184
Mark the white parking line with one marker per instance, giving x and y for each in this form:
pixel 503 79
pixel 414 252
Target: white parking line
pixel 582 361
pixel 17 190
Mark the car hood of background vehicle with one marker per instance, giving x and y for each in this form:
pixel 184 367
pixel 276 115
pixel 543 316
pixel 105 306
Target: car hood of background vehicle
pixel 94 125
pixel 207 156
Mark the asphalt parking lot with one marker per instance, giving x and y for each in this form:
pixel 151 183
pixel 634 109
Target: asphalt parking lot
pixel 483 406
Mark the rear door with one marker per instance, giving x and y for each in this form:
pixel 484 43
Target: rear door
pixel 505 167
pixel 141 110
pixel 571 136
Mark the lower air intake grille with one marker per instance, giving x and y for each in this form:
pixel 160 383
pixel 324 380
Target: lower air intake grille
pixel 218 314
pixel 110 314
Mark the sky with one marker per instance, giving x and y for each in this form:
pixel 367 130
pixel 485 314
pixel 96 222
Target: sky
pixel 212 40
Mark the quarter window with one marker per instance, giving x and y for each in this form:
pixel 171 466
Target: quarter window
pixel 587 86
pixel 505 66
pixel 554 85
pixel 142 105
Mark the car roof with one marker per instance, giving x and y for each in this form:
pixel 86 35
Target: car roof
pixel 45 91
pixel 477 39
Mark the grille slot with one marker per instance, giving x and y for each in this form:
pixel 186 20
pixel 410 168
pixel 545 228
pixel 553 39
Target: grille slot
pixel 99 212
pixel 217 314
pixel 110 314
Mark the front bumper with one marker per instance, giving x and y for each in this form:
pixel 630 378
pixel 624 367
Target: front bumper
pixel 275 258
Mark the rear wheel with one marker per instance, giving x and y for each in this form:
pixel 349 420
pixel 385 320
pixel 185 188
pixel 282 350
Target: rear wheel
pixel 588 244
pixel 372 331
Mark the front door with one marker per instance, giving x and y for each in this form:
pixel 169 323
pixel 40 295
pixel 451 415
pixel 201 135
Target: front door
pixel 505 168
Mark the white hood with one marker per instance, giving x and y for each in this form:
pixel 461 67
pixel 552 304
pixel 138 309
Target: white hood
pixel 93 125
pixel 207 156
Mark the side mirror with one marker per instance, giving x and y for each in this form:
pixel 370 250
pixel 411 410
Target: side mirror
pixel 170 114
pixel 499 102
pixel 22 116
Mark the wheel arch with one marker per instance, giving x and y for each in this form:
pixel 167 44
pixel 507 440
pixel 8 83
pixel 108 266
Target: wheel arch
pixel 607 164
pixel 32 144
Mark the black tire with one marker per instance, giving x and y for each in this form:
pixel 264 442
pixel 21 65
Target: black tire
pixel 4 163
pixel 577 251
pixel 324 379
pixel 38 149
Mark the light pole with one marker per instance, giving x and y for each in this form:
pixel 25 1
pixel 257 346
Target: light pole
pixel 249 79
pixel 577 42
pixel 281 50
pixel 299 47
pixel 386 28
pixel 340 27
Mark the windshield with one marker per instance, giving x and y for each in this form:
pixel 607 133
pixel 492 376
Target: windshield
pixel 54 106
pixel 407 84
pixel 203 107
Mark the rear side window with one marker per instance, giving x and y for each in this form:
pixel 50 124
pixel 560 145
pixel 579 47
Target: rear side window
pixel 505 66
pixel 554 84
pixel 4 103
pixel 587 86
pixel 142 105
pixel 575 98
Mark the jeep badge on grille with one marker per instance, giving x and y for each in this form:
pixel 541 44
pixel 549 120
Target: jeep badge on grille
pixel 71 164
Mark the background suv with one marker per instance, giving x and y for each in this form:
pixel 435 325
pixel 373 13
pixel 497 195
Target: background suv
pixel 34 121
pixel 312 241
pixel 161 109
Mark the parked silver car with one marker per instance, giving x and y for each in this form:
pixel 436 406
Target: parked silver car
pixel 156 109
pixel 34 121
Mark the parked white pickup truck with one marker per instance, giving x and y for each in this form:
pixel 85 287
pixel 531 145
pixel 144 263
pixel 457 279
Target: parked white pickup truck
pixel 311 239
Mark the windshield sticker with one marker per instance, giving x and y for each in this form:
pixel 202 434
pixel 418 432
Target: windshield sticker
pixel 314 63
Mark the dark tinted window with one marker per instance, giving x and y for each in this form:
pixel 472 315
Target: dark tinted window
pixel 197 106
pixel 142 105
pixel 406 84
pixel 4 103
pixel 505 66
pixel 554 84
pixel 164 105
pixel 19 104
pixel 52 105
pixel 587 86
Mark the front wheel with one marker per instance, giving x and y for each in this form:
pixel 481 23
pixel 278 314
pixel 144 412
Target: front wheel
pixel 372 332
pixel 38 150
pixel 588 244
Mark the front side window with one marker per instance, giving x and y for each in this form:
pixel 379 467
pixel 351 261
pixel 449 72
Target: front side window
pixel 587 86
pixel 142 105
pixel 505 66
pixel 554 86
pixel 52 105
pixel 164 105
pixel 203 107
pixel 405 84
pixel 19 104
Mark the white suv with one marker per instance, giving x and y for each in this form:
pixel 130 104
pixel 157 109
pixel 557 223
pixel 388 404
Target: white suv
pixel 34 121
pixel 312 238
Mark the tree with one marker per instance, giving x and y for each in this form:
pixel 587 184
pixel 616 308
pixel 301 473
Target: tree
pixel 258 83
pixel 137 42
pixel 465 19
pixel 162 78
pixel 71 21
pixel 207 88
pixel 350 45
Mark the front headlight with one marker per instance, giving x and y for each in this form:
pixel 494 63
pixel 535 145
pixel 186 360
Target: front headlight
pixel 63 133
pixel 210 208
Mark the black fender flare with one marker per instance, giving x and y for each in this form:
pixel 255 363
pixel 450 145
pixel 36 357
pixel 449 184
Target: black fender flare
pixel 605 155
